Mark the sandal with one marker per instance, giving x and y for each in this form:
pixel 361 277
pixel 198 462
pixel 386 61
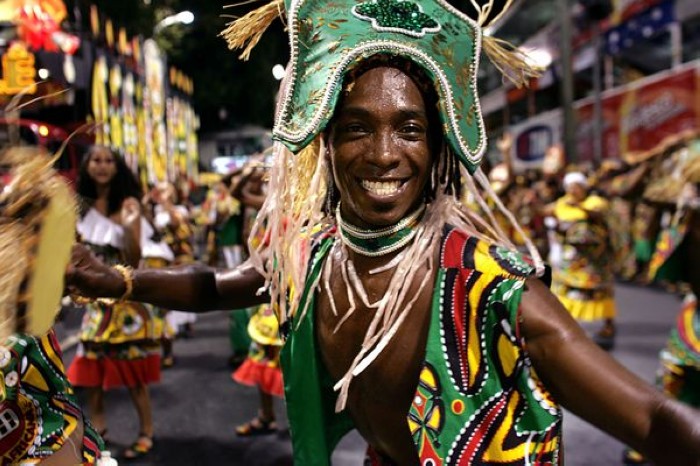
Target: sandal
pixel 256 426
pixel 632 458
pixel 140 448
pixel 167 362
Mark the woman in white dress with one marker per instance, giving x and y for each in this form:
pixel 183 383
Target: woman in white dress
pixel 119 341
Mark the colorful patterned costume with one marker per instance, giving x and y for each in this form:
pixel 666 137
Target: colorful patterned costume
pixel 179 240
pixel 261 368
pixel 120 342
pixel 177 237
pixel 39 414
pixel 478 399
pixel 583 281
pixel 680 373
pixel 38 409
pixel 666 263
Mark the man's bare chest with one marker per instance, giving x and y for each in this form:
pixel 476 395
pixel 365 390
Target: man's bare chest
pixel 341 337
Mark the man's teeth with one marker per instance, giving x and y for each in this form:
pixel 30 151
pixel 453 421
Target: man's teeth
pixel 381 188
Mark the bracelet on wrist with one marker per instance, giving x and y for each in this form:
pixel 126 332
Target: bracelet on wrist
pixel 127 274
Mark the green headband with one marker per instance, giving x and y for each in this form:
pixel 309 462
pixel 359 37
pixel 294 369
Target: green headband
pixel 330 37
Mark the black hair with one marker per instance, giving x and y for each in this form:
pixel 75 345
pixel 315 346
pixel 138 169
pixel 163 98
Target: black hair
pixel 124 184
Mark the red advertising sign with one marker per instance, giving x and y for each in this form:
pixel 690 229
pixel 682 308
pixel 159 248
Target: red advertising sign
pixel 639 118
pixel 585 131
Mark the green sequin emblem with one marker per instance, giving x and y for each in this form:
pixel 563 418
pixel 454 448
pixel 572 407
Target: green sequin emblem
pixel 396 15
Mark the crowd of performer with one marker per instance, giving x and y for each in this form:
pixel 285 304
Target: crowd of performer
pixel 628 220
pixel 634 220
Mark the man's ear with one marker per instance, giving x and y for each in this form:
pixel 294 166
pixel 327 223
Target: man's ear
pixel 326 138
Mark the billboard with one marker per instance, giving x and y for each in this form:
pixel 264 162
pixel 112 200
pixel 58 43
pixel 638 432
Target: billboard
pixel 636 118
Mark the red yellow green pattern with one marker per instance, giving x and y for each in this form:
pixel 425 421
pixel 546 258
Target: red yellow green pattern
pixel 477 401
pixel 684 342
pixel 38 408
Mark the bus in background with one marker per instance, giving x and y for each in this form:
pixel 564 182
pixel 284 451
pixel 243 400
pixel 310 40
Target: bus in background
pixel 50 137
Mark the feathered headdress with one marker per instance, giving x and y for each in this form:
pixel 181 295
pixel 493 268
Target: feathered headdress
pixel 37 231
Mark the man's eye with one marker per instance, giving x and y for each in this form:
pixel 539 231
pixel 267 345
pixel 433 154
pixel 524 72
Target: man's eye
pixel 412 129
pixel 354 128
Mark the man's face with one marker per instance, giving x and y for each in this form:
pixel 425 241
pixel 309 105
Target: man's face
pixel 379 148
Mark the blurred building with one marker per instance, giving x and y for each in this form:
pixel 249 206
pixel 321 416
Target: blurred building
pixel 650 61
pixel 224 151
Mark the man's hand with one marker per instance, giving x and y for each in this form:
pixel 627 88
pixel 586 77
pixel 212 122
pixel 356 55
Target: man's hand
pixel 87 276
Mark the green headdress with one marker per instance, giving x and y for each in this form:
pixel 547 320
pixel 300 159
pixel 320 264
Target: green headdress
pixel 329 37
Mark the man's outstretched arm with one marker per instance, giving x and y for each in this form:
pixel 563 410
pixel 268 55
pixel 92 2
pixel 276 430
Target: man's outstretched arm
pixel 189 288
pixel 591 384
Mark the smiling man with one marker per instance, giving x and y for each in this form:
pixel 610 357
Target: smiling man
pixel 405 315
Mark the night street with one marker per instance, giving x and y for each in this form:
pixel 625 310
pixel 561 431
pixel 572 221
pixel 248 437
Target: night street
pixel 335 157
pixel 197 405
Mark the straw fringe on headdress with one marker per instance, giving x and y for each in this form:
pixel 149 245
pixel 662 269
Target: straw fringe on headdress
pixel 245 33
pixel 512 62
pixel 37 228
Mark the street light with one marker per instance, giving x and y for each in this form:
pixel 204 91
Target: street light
pixel 538 57
pixel 278 72
pixel 184 17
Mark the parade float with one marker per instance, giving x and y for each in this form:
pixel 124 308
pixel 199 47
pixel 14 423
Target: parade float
pixel 96 84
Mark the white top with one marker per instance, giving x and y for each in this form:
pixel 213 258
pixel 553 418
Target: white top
pixel 162 217
pixel 150 248
pixel 99 230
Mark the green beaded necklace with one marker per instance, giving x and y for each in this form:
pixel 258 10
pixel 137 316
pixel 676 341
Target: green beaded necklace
pixel 375 243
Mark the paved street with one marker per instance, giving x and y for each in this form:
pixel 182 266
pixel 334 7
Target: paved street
pixel 197 405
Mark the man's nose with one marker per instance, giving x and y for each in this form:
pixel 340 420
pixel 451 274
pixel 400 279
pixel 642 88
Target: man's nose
pixel 385 153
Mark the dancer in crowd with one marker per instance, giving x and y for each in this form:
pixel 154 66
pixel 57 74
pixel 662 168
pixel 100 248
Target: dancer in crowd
pixel 679 371
pixel 40 419
pixel 156 253
pixel 386 289
pixel 235 253
pixel 622 185
pixel 223 214
pixel 583 278
pixel 247 187
pixel 119 341
pixel 171 220
pixel 261 369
